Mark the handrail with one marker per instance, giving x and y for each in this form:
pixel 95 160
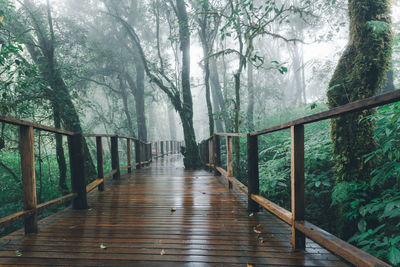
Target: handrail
pixel 6 221
pixel 143 156
pixel 371 102
pixel 210 152
pixel 34 125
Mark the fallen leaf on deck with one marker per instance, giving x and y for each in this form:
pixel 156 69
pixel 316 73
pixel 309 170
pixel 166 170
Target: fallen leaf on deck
pixel 18 253
pixel 162 252
pixel 173 209
pixel 251 214
pixel 210 182
pixel 261 240
pixel 256 231
pixel 249 265
pixel 102 246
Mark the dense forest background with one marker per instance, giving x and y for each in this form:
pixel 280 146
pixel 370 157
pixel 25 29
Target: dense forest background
pixel 183 70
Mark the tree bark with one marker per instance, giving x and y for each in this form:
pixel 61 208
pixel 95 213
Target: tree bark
pixel 124 96
pixel 62 165
pixel 250 90
pixel 207 84
pixel 358 75
pixel 217 97
pixel 192 155
pixel 43 55
pixel 140 102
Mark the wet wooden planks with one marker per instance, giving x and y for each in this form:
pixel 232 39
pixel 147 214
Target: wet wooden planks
pixel 162 216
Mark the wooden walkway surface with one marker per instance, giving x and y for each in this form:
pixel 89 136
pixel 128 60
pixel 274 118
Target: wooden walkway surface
pixel 162 216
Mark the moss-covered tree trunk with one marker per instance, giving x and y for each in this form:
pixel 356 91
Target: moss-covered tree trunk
pixel 358 75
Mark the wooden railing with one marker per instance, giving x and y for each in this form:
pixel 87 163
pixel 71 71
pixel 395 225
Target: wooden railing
pixel 143 156
pixel 210 151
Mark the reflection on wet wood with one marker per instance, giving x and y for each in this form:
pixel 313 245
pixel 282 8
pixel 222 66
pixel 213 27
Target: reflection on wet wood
pixel 162 216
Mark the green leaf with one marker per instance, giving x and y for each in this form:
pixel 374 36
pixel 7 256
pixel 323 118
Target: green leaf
pixel 102 246
pixel 313 106
pixel 362 225
pixel 394 256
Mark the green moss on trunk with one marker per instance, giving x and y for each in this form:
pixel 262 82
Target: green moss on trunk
pixel 359 74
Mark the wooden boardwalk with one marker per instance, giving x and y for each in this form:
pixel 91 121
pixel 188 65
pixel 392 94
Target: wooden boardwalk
pixel 162 216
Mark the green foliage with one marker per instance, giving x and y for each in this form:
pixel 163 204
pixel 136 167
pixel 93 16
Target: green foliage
pixel 372 207
pixel 378 216
pixel 275 169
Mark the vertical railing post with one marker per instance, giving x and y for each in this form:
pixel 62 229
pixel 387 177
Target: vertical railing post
pixel 207 151
pixel 297 184
pixel 137 154
pixel 146 152
pixel 217 154
pixel 142 153
pixel 128 154
pixel 150 152
pixel 229 158
pixel 115 157
pixel 201 148
pixel 78 179
pixel 100 168
pixel 252 172
pixel 162 148
pixel 27 155
pixel 211 151
pixel 156 147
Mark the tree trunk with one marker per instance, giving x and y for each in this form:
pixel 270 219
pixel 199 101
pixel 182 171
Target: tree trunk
pixel 69 116
pixel 250 89
pixel 206 45
pixel 43 54
pixel 124 96
pixel 140 102
pixel 236 140
pixel 358 75
pixel 218 98
pixel 192 155
pixel 208 96
pixel 62 166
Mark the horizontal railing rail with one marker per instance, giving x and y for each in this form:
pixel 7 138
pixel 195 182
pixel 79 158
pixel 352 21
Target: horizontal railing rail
pixel 210 151
pixel 143 156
